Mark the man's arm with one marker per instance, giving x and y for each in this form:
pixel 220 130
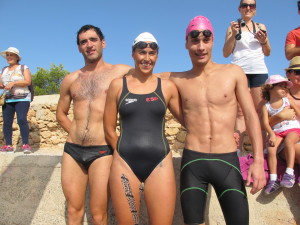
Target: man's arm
pixel 256 170
pixel 175 102
pixel 63 105
pixel 291 50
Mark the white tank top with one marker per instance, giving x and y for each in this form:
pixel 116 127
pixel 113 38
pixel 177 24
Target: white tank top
pixel 285 124
pixel 248 54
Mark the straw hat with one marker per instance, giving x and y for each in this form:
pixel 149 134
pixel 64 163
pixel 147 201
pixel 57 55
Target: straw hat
pixel 11 50
pixel 294 64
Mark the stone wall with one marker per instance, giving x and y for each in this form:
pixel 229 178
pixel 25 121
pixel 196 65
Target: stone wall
pixel 45 132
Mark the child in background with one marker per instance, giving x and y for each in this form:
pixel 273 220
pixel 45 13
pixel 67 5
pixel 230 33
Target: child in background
pixel 274 91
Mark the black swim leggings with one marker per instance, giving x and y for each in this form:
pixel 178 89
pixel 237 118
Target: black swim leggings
pixel 222 171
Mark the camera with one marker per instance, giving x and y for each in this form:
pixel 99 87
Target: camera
pixel 241 22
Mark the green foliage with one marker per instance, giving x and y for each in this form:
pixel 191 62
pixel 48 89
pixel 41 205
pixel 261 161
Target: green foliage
pixel 47 82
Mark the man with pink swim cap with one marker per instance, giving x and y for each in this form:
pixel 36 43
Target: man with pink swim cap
pixel 199 23
pixel 210 93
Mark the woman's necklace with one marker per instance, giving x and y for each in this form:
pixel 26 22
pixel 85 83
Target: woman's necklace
pixel 254 30
pixel 293 96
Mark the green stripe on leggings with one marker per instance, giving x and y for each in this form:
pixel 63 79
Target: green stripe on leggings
pixel 220 160
pixel 231 190
pixel 193 188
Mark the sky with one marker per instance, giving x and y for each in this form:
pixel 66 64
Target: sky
pixel 45 31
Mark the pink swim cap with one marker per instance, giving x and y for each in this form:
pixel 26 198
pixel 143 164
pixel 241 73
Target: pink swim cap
pixel 199 23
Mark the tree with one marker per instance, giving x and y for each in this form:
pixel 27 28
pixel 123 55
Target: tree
pixel 47 82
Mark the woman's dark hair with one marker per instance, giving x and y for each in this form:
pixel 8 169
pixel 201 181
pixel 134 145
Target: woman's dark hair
pixel 90 27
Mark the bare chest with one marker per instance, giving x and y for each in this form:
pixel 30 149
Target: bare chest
pixel 90 87
pixel 205 94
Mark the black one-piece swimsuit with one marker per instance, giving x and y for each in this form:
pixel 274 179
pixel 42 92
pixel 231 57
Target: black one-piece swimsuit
pixel 142 142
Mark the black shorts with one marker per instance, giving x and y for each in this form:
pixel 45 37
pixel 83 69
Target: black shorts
pixel 222 171
pixel 256 80
pixel 86 155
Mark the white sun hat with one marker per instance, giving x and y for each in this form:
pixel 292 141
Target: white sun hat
pixel 11 50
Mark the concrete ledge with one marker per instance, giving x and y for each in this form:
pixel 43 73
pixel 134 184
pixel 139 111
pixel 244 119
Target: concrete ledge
pixel 31 194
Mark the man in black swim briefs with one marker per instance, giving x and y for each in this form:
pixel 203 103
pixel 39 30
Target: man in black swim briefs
pixel 210 93
pixel 87 157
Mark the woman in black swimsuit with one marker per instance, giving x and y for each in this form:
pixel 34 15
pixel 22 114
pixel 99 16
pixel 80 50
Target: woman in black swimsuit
pixel 142 153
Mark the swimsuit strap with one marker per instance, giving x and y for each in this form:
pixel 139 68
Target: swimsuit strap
pixel 158 90
pixel 125 88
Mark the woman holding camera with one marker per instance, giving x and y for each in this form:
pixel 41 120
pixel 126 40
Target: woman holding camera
pixel 248 43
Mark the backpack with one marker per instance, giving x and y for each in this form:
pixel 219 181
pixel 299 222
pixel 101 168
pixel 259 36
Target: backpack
pixel 30 87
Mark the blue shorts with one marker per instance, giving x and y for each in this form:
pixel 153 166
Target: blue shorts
pixel 256 80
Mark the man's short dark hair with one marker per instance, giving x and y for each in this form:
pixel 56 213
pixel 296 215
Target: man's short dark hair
pixel 90 27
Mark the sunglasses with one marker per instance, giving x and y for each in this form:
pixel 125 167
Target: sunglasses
pixel 296 72
pixel 143 45
pixel 196 33
pixel 245 5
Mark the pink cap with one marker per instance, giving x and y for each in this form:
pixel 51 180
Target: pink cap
pixel 199 23
pixel 275 79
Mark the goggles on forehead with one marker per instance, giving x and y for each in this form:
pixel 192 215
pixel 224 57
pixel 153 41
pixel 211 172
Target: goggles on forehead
pixel 143 45
pixel 196 33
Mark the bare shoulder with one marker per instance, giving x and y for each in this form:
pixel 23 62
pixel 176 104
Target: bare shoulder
pixel 261 26
pixel 70 78
pixel 121 69
pixel 116 83
pixel 163 75
pixel 230 70
pixel 178 75
pixel 166 83
pixel 291 100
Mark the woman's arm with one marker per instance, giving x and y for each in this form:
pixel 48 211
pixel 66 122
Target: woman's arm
pixel 262 36
pixel 21 83
pixel 295 108
pixel 285 114
pixel 111 112
pixel 232 31
pixel 1 83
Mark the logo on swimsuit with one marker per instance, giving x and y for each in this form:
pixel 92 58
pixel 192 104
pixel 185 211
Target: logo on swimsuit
pixel 152 99
pixel 130 100
pixel 102 152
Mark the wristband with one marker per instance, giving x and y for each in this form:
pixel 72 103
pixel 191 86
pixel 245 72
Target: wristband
pixel 264 43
